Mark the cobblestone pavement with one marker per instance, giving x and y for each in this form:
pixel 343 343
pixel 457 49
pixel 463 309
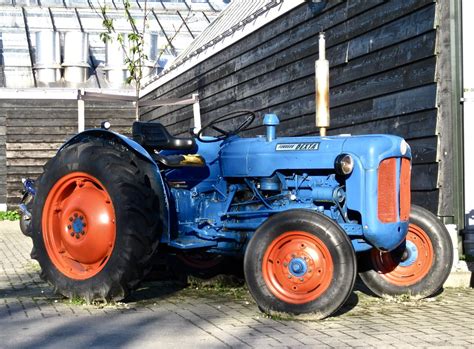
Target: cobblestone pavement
pixel 159 314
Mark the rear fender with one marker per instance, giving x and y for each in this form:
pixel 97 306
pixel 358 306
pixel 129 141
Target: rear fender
pixel 105 134
pixel 140 151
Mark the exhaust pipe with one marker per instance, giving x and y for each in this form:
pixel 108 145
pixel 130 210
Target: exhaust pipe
pixel 322 88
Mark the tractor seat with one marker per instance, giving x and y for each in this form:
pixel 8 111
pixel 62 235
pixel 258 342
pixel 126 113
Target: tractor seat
pixel 154 136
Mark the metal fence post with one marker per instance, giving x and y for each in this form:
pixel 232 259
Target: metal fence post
pixel 80 111
pixel 196 113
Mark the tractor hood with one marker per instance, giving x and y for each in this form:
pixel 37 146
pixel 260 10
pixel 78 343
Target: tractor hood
pixel 257 157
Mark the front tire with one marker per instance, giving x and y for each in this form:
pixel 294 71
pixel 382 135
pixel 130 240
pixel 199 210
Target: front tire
pixel 419 267
pixel 96 220
pixel 300 262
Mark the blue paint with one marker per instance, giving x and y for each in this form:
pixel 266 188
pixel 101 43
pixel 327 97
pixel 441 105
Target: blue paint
pixel 101 133
pixel 78 225
pixel 297 267
pixel 412 254
pixel 271 121
pixel 219 206
pixel 29 185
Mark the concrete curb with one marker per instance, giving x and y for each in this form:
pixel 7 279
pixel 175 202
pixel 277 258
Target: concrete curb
pixel 461 276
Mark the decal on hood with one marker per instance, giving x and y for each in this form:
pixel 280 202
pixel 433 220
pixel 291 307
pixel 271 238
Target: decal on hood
pixel 297 146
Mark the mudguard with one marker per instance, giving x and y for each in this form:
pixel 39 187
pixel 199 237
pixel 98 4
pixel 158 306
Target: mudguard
pixel 140 151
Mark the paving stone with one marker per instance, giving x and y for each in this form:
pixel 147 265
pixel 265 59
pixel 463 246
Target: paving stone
pixel 31 315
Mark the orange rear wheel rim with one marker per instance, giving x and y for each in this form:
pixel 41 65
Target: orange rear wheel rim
pixel 410 266
pixel 297 267
pixel 78 224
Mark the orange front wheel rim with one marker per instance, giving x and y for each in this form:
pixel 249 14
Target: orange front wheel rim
pixel 78 224
pixel 297 267
pixel 409 265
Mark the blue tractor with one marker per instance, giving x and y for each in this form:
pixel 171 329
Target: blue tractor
pixel 304 212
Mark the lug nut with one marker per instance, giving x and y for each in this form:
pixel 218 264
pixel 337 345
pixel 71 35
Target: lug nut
pixel 71 219
pixel 81 217
pixel 285 264
pixel 72 233
pixel 289 276
pixel 301 279
pixel 77 236
pixel 69 226
pixel 75 215
pixel 84 225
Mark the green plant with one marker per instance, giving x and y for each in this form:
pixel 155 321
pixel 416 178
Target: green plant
pixel 9 216
pixel 135 56
pixel 76 300
pixel 466 257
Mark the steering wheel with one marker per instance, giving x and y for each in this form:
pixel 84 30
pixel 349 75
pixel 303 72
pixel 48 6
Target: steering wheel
pixel 250 117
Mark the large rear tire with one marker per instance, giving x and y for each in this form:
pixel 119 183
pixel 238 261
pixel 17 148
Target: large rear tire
pixel 419 267
pixel 300 262
pixel 96 220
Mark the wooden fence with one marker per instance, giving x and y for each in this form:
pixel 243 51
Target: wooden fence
pixel 31 131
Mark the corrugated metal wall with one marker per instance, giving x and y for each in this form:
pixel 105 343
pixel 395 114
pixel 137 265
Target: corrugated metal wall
pixel 383 78
pixel 35 129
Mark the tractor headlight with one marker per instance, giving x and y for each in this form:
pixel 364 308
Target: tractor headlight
pixel 344 164
pixel 403 147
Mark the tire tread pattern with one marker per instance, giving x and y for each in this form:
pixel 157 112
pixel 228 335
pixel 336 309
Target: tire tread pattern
pixel 137 200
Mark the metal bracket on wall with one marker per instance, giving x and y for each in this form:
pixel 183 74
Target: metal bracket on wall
pixel 104 97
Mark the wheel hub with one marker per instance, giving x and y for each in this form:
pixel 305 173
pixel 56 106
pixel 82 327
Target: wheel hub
pixel 410 255
pixel 407 267
pixel 298 267
pixel 78 225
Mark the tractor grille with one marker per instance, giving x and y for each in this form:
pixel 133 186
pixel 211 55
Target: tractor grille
pixel 388 198
pixel 405 193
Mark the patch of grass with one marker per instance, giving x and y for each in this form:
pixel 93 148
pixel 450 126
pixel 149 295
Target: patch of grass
pixel 220 286
pixel 9 216
pixel 76 300
pixel 466 257
pixel 403 298
pixel 235 293
pixel 32 266
pixel 98 304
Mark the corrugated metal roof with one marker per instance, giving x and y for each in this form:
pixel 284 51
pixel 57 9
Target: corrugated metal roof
pixel 177 22
pixel 236 15
pixel 239 19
